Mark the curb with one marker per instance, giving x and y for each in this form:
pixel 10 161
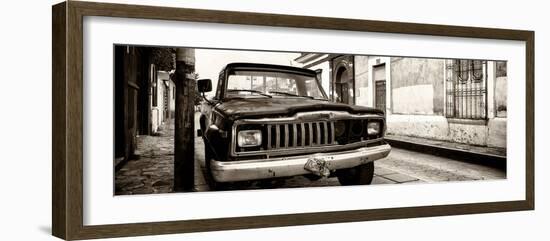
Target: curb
pixel 452 153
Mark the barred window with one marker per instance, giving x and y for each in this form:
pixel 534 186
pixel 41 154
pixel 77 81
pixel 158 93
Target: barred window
pixel 461 70
pixel 501 69
pixel 477 70
pixel 466 89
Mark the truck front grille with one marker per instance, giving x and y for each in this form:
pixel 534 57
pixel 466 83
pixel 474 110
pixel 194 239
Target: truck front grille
pixel 285 138
pixel 294 135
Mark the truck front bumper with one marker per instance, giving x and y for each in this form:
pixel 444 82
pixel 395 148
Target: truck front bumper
pixel 293 166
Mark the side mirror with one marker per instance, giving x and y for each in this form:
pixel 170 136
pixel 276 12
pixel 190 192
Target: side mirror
pixel 204 85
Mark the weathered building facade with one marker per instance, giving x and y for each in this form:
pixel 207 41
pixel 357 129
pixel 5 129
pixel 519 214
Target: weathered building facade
pixel 144 97
pixel 462 101
pixel 162 100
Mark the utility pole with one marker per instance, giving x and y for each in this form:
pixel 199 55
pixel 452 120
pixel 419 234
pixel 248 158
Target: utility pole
pixel 184 122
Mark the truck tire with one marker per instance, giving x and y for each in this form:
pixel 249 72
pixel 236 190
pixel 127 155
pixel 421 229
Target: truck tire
pixel 359 175
pixel 214 186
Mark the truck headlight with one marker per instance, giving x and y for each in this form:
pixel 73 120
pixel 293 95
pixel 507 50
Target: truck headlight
pixel 249 138
pixel 373 128
pixel 339 128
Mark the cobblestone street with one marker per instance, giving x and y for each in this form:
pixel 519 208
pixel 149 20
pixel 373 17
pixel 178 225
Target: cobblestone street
pixel 152 170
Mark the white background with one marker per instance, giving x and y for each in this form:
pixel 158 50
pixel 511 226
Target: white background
pixel 100 207
pixel 26 121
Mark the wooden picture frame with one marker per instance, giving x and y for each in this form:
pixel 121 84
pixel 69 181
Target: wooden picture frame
pixel 67 152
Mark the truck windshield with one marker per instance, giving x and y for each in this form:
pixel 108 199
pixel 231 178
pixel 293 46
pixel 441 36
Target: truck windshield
pixel 262 84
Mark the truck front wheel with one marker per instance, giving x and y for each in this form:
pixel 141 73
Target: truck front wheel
pixel 359 175
pixel 214 186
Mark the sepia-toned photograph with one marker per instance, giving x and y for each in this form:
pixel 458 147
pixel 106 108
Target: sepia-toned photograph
pixel 196 119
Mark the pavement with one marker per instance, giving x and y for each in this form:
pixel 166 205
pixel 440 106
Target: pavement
pixel 488 156
pixel 152 170
pixel 495 151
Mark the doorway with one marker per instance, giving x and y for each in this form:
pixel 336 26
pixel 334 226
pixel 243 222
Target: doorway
pixel 379 78
pixel 343 80
pixel 342 85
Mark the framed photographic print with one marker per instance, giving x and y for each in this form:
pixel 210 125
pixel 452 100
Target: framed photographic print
pixel 171 120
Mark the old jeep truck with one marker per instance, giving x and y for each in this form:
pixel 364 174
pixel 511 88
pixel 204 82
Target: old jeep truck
pixel 271 121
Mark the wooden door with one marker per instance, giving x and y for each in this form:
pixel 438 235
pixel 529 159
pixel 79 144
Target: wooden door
pixel 379 77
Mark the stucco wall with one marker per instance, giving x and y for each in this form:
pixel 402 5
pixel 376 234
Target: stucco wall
pixel 172 98
pixel 416 101
pixel 325 75
pixel 157 117
pixel 362 94
pixel 155 120
pixel 417 86
pixel 435 127
pixel 426 126
pixel 472 134
pixel 497 132
pixel 501 95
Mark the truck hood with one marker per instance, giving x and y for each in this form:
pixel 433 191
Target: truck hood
pixel 269 107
